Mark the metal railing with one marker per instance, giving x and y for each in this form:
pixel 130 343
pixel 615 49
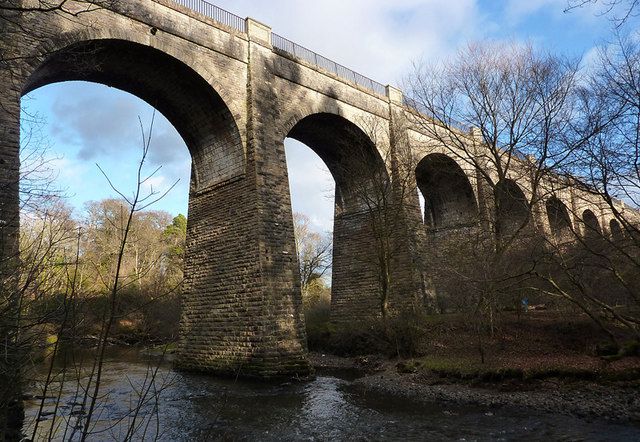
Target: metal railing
pixel 420 108
pixel 236 22
pixel 283 44
pixel 218 14
pixel 411 104
pixel 416 106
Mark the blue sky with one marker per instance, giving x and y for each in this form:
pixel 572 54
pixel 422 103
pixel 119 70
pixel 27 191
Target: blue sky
pixel 85 124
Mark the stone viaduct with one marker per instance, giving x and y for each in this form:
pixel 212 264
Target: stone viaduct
pixel 234 91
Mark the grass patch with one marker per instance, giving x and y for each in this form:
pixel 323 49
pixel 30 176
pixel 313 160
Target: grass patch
pixel 628 349
pixel 464 369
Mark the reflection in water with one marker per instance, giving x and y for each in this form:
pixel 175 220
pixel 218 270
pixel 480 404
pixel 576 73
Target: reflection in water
pixel 195 407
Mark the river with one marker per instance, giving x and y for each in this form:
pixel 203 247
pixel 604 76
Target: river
pixel 189 407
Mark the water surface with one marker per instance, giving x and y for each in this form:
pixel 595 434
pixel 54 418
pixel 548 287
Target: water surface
pixel 188 407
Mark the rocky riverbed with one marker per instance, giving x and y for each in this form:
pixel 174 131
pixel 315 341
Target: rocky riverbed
pixel 619 402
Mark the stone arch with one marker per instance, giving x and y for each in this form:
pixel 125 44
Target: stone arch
pixel 448 194
pixel 591 224
pixel 360 175
pixel 224 277
pixel 558 216
pixel 306 105
pixel 349 154
pixel 186 99
pixel 512 208
pixel 210 72
pixel 616 230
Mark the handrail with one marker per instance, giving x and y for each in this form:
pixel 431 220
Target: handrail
pixel 280 43
pixel 417 107
pixel 218 14
pixel 290 47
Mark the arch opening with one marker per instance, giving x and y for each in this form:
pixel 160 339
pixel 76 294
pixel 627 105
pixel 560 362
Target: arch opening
pixel 558 216
pixel 512 209
pixel 187 100
pixel 616 230
pixel 80 124
pixel 591 224
pixel 349 154
pixel 210 132
pixel 447 191
pixel 360 179
pixel 312 190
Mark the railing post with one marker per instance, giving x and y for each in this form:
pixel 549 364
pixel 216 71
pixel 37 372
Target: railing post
pixel 395 95
pixel 476 134
pixel 258 32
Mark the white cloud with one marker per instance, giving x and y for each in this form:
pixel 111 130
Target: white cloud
pixel 69 171
pixel 590 58
pixel 377 38
pixel 517 10
pixel 96 130
pixel 311 185
pixel 156 184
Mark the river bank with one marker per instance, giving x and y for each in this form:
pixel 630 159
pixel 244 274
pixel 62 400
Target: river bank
pixel 616 401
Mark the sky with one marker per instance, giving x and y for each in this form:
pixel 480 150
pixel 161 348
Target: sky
pixel 85 125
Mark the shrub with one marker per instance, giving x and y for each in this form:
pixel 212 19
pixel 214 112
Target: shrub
pixel 403 335
pixel 316 315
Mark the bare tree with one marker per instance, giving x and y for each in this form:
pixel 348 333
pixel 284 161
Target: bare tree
pixel 48 284
pixel 512 117
pixel 314 252
pixel 35 271
pixel 505 110
pixel 383 189
pixel 620 11
pixel 599 275
pixel 20 16
pixel 136 203
pixel 510 114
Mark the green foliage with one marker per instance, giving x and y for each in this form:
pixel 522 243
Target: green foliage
pixel 631 349
pixel 63 247
pixel 462 368
pixel 316 317
pixel 358 338
pixel 142 316
pixel 466 369
pixel 606 349
pixel 180 224
pixel 175 237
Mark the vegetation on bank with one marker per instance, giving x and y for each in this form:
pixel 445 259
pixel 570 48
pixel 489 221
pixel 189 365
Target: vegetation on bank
pixel 524 346
pixel 82 253
pixel 463 369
